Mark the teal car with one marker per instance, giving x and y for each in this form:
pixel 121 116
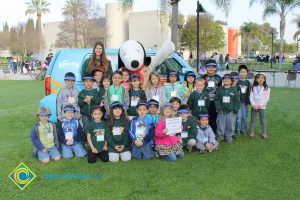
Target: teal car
pixel 71 60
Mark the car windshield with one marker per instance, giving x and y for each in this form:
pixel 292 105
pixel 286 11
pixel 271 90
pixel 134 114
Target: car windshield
pixel 169 65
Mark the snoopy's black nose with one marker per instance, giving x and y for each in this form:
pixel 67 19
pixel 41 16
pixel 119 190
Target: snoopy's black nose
pixel 135 64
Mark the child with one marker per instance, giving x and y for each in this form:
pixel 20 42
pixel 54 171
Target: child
pixel 71 134
pixel 142 133
pixel 174 89
pixel 125 78
pixel 154 90
pixel 259 97
pixel 106 81
pixel 67 96
pixel 189 130
pixel 206 140
pixel 176 103
pixel 168 146
pixel 97 75
pixel 227 102
pixel 235 77
pixel 44 137
pixel 153 106
pixel 116 92
pixel 213 82
pixel 244 88
pixel 117 139
pixel 97 132
pixel 199 99
pixel 136 94
pixel 87 99
pixel 189 82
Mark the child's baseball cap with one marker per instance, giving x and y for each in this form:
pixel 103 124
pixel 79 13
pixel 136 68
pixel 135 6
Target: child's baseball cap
pixel 116 104
pixel 70 76
pixel 135 76
pixel 190 73
pixel 226 76
pixel 210 62
pixel 141 104
pixel 234 75
pixel 69 108
pixel 44 111
pixel 88 77
pixel 167 105
pixel 173 73
pixel 153 102
pixel 184 109
pixel 203 115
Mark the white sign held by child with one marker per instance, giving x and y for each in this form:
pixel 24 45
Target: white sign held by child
pixel 174 125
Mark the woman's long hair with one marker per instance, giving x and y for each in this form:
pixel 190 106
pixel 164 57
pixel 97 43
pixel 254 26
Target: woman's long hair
pixel 104 62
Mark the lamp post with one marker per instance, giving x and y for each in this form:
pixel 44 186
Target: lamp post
pixel 272 32
pixel 180 35
pixel 199 10
pixel 298 40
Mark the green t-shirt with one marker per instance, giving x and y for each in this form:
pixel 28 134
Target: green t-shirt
pixel 118 136
pixel 115 91
pixel 98 132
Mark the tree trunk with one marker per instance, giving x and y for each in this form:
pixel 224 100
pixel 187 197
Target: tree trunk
pixel 174 24
pixel 282 29
pixel 40 34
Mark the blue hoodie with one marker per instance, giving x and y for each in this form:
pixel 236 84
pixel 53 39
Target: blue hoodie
pixel 71 126
pixel 150 129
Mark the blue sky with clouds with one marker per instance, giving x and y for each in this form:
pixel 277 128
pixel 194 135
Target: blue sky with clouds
pixel 13 11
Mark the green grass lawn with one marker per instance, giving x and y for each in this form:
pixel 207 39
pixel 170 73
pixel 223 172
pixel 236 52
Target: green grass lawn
pixel 246 169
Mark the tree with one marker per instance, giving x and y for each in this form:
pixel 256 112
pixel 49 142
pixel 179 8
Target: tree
pixel 211 33
pixel 280 8
pixel 296 20
pixel 225 5
pixel 80 25
pixel 4 37
pixel 38 7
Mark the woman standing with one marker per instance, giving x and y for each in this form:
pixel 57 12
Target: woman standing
pixel 97 60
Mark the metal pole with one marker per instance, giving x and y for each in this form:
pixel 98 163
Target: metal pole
pixel 272 48
pixel 198 49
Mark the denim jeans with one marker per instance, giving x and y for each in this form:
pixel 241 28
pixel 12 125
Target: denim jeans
pixel 67 150
pixel 242 118
pixel 173 156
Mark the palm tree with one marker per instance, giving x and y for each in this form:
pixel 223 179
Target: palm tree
pixel 280 8
pixel 38 7
pixel 222 4
pixel 296 20
pixel 72 8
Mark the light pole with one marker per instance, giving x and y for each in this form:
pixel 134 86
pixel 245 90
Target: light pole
pixel 272 32
pixel 298 40
pixel 199 10
pixel 180 35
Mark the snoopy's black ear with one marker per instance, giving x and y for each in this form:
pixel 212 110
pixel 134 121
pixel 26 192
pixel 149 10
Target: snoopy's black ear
pixel 120 62
pixel 147 61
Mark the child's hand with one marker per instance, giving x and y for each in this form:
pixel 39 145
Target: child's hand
pixel 45 150
pixel 94 150
pixel 138 143
pixel 121 148
pixel 105 148
pixel 70 142
pixel 60 119
pixel 209 147
pixel 180 140
pixel 117 148
pixel 184 83
pixel 165 130
pixel 78 117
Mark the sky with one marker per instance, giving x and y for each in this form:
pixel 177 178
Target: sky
pixel 13 12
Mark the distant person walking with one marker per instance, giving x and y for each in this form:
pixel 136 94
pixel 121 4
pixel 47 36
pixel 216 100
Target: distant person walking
pixel 227 61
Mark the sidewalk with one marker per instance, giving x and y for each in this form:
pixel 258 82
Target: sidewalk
pixel 17 76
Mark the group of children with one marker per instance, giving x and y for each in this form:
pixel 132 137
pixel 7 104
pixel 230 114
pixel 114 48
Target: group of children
pixel 115 118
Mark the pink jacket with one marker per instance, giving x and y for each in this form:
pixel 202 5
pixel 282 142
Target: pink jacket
pixel 259 91
pixel 161 138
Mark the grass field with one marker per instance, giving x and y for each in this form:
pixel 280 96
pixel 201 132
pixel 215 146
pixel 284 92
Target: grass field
pixel 246 169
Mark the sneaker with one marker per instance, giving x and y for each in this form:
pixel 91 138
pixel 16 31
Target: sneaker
pixel 229 141
pixel 264 136
pixel 189 148
pixel 242 133
pixel 202 151
pixel 234 137
pixel 252 135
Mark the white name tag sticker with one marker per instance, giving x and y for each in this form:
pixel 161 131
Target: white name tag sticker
pixel 140 132
pixel 226 99
pixel 257 96
pixel 205 140
pixel 211 84
pixel 50 136
pixel 243 89
pixel 100 138
pixel 133 103
pixel 173 93
pixel 201 102
pixel 69 135
pixel 117 130
pixel 114 97
pixel 71 100
pixel 156 98
pixel 184 134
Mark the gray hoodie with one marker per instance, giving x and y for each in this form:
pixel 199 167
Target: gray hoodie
pixel 63 99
